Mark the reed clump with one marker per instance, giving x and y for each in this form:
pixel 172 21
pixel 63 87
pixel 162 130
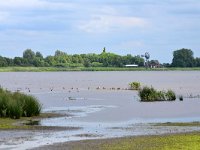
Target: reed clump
pixel 16 105
pixel 150 94
pixel 135 85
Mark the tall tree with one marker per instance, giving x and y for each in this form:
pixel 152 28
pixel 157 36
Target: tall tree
pixel 29 54
pixel 183 58
pixel 3 62
pixel 39 55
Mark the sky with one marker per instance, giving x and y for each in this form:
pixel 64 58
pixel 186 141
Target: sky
pixel 86 26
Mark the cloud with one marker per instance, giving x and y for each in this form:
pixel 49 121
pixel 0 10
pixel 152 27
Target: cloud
pixel 106 23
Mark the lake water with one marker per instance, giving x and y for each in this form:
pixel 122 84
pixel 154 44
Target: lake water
pixel 99 108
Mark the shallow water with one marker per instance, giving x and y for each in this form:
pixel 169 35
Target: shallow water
pixel 103 112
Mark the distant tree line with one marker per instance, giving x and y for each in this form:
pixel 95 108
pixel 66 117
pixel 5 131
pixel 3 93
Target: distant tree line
pixel 181 58
pixel 62 59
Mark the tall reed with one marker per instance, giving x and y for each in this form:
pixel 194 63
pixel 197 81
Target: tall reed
pixel 16 105
pixel 149 94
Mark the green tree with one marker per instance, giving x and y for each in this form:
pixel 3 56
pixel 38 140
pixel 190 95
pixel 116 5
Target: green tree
pixel 59 53
pixel 9 61
pixel 50 60
pixel 183 58
pixel 18 61
pixel 87 63
pixel 3 62
pixel 39 55
pixel 197 62
pixel 29 54
pixel 104 50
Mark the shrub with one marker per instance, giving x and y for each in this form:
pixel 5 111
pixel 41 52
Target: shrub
pixel 170 95
pixel 150 94
pixel 16 105
pixel 161 95
pixel 135 85
pixel 97 64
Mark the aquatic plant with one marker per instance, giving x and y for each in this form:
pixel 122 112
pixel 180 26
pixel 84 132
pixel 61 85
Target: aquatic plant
pixel 135 85
pixel 151 94
pixel 16 105
pixel 14 110
pixel 170 95
pixel 3 105
pixel 148 94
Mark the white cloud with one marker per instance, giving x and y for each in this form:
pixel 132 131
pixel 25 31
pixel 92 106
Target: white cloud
pixel 106 23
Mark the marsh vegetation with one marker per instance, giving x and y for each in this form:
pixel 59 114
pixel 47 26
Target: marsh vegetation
pixel 149 94
pixel 135 85
pixel 16 105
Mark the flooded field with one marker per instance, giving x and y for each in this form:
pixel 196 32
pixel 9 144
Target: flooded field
pixel 100 106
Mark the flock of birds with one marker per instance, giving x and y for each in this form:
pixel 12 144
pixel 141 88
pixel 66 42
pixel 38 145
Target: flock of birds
pixel 27 89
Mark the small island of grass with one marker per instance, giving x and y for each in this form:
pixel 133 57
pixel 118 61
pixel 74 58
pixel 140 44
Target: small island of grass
pixel 149 94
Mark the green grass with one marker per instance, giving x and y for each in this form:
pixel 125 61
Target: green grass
pixel 54 69
pixel 179 124
pixel 181 141
pixel 188 141
pixel 135 85
pixel 15 124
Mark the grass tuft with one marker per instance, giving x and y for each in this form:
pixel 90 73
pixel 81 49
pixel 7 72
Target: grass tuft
pixel 149 94
pixel 135 85
pixel 16 105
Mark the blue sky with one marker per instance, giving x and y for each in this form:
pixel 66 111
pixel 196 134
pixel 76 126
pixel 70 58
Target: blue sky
pixel 86 26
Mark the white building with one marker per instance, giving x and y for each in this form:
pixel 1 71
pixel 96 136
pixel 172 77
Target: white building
pixel 131 65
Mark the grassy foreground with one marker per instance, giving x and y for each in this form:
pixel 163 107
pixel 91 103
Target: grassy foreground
pixel 182 141
pixel 54 69
pixel 166 142
pixel 22 123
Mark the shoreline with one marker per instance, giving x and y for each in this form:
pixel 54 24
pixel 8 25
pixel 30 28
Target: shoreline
pixel 77 69
pixel 97 141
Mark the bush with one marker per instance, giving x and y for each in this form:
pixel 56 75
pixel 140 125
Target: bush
pixel 97 64
pixel 170 95
pixel 150 94
pixel 135 85
pixel 16 105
